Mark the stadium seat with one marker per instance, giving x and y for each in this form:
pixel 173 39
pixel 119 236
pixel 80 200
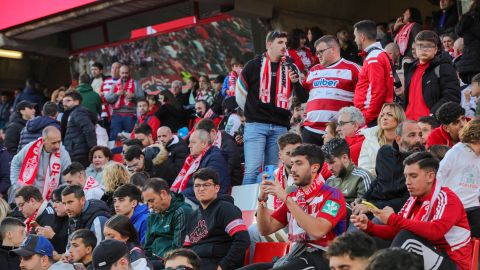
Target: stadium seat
pixel 476 251
pixel 118 158
pixel 267 251
pixel 245 196
pixel 248 217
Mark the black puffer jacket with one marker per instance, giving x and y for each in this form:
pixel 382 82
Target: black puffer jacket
pixel 80 135
pixel 469 29
pixel 9 260
pixel 436 90
pixel 451 20
pixel 12 132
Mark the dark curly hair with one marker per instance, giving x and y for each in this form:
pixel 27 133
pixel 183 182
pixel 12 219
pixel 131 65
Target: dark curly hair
pixel 449 113
pixel 293 40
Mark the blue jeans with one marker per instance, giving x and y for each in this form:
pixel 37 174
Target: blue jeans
pixel 121 123
pixel 260 147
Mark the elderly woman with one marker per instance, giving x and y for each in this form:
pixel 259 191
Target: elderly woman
pixel 390 116
pixel 99 157
pixel 114 175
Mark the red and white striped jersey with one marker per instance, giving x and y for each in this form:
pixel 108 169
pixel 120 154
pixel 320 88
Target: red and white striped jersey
pixel 330 89
pixel 106 86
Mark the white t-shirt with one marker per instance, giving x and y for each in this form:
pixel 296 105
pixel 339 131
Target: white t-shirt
pixel 460 171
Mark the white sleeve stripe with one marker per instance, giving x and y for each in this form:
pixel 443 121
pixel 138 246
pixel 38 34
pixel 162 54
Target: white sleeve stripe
pixel 98 230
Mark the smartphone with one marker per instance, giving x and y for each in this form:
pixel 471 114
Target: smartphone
pixel 270 170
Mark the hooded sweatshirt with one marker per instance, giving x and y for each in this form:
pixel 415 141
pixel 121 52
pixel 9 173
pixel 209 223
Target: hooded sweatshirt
pixel 33 129
pixel 90 99
pixel 218 234
pixel 139 220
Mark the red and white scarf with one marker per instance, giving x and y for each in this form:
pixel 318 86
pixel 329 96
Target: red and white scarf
pixel 218 140
pixel 304 197
pixel 29 170
pixel 282 89
pixel 91 183
pixel 129 88
pixel 423 214
pixel 189 167
pixel 30 219
pixel 402 37
pixel 281 178
pixel 232 81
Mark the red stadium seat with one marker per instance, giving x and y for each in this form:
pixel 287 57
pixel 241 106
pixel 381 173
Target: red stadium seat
pixel 476 249
pixel 248 217
pixel 267 251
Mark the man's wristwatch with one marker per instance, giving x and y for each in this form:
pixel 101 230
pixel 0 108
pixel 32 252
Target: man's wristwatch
pixel 262 202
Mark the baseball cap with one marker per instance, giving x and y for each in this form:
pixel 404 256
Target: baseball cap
pixel 24 104
pixel 107 253
pixel 34 244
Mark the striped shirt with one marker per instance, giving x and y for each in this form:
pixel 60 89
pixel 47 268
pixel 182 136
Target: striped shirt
pixel 330 89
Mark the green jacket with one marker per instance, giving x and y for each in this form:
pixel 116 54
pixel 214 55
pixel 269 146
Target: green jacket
pixel 91 100
pixel 167 231
pixel 354 185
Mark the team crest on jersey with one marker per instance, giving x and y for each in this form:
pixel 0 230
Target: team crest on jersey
pixel 324 82
pixel 331 208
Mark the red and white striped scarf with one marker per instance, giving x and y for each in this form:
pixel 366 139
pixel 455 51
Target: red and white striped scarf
pixel 402 37
pixel 189 167
pixel 282 89
pixel 232 82
pixel 129 88
pixel 29 170
pixel 304 197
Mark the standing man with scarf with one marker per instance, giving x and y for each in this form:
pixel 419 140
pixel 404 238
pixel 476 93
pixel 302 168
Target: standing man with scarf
pixel 123 96
pixel 40 163
pixel 315 213
pixel 263 91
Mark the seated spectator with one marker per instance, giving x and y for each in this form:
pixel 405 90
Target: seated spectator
pixel 458 53
pixel 431 80
pixel 330 132
pixel 139 179
pixel 202 155
pixel 351 251
pixel 170 112
pixel 217 95
pixel 114 175
pixel 202 110
pixel 182 257
pixel 99 156
pixel 389 187
pixel 350 125
pixel 427 124
pixel 406 29
pixel 36 253
pixel 112 254
pixel 83 214
pixel 61 222
pixel 394 259
pixel 226 143
pixel 438 151
pixel 5 167
pixel 432 223
pixel 390 117
pixel 460 172
pixel 312 224
pixel 144 133
pixel 447 40
pixel 167 222
pixel 12 232
pixel 232 119
pixel 176 147
pixel 205 91
pixel 81 245
pixel 216 231
pixel 127 200
pixel 475 92
pixel 24 111
pixel 34 127
pixel 146 116
pixel 75 174
pixel 352 181
pixel 160 167
pixel 452 119
pixel 119 227
pixel 39 214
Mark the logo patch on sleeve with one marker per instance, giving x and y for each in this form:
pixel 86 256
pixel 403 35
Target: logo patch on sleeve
pixel 331 208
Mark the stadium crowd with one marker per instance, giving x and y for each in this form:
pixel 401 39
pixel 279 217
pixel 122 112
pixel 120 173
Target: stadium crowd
pixel 358 153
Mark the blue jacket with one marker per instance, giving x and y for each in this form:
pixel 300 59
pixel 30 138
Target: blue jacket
pixel 216 160
pixel 33 129
pixel 139 220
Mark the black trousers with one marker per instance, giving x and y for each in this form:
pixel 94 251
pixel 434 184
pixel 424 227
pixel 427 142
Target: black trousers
pixel 312 137
pixel 306 261
pixel 473 216
pixel 433 259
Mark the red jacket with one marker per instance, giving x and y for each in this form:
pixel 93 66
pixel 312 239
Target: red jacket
pixel 355 142
pixel 375 83
pixel 438 136
pixel 152 121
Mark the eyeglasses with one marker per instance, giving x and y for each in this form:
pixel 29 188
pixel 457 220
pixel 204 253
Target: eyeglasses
pixel 207 185
pixel 424 47
pixel 342 123
pixel 320 52
pixel 180 267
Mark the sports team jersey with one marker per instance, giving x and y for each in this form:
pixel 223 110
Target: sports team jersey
pixel 106 86
pixel 328 204
pixel 331 88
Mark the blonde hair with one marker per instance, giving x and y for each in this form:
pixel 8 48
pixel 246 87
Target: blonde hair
pixel 55 94
pixel 4 209
pixel 470 133
pixel 115 175
pixel 398 114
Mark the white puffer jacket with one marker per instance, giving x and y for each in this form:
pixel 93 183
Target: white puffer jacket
pixel 370 146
